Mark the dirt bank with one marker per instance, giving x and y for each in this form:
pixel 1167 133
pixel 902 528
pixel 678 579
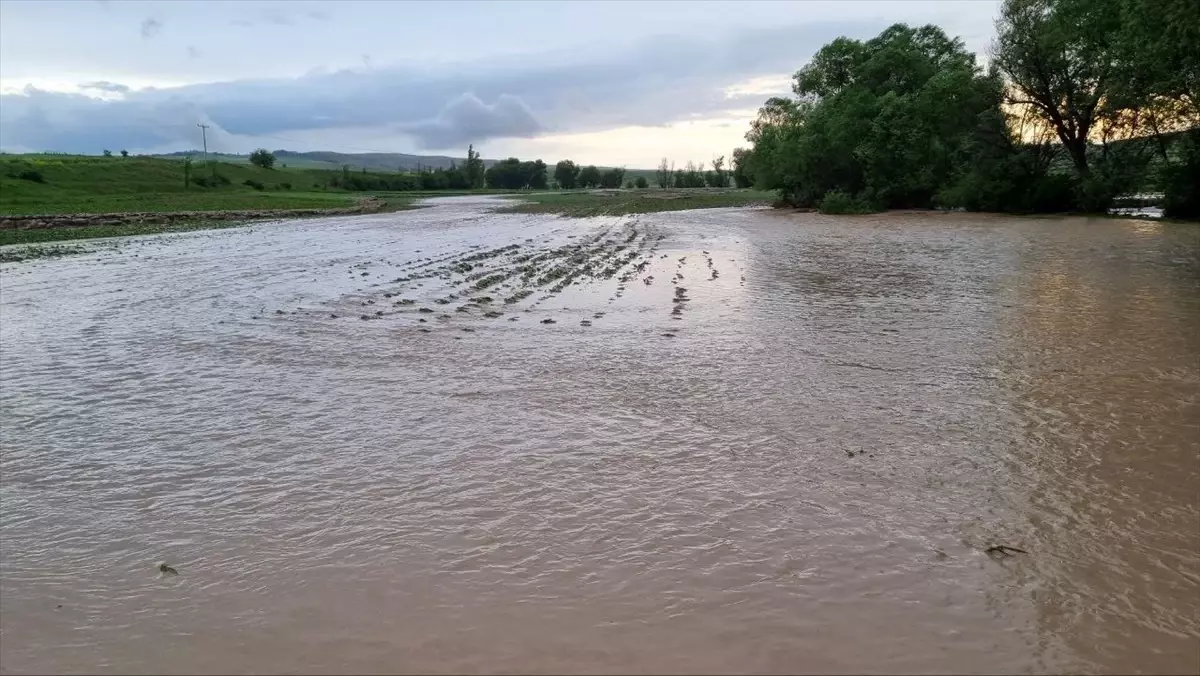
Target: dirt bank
pixel 36 222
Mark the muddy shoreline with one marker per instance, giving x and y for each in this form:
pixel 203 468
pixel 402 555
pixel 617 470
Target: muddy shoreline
pixel 44 221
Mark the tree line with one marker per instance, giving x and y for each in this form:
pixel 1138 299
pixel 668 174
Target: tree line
pixel 1083 101
pixel 692 175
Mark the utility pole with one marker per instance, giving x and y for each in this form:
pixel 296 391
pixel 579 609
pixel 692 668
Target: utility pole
pixel 204 137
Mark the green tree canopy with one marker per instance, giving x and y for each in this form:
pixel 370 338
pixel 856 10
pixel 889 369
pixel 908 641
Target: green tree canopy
pixel 566 173
pixel 589 177
pixel 262 158
pixel 513 174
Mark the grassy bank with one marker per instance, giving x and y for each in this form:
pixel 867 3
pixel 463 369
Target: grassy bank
pixel 621 202
pixel 42 235
pixel 155 202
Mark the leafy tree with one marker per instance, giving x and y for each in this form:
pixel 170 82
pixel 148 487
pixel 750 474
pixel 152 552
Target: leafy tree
pixel 567 174
pixel 536 175
pixel 1099 72
pixel 265 159
pixel 718 177
pixel 742 177
pixel 612 178
pixel 107 152
pixel 665 174
pixel 513 174
pixel 886 122
pixel 641 183
pixel 473 172
pixel 124 153
pixel 589 177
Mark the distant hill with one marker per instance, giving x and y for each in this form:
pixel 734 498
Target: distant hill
pixel 324 159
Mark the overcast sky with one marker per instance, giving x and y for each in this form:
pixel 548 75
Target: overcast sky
pixel 613 83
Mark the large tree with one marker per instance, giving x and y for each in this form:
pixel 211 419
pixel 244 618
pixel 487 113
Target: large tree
pixel 1059 58
pixel 262 158
pixel 884 121
pixel 566 173
pixel 513 174
pixel 1096 72
pixel 473 171
pixel 589 177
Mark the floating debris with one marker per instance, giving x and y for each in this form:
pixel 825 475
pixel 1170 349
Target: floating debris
pixel 549 321
pixel 167 570
pixel 1003 551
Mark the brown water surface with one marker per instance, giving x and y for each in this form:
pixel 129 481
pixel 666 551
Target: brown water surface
pixel 795 464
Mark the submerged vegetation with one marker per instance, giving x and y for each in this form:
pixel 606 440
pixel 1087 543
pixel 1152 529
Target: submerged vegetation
pixel 1084 101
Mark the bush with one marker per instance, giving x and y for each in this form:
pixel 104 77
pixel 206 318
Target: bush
pixel 1181 181
pixel 284 186
pixel 253 184
pixel 839 202
pixel 211 181
pixel 31 175
pixel 641 183
pixel 262 158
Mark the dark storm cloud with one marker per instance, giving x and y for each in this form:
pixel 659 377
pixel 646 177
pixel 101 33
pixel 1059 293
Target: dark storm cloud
pixel 661 81
pixel 151 27
pixel 105 86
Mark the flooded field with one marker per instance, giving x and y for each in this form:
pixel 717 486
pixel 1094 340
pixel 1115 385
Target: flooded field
pixel 716 441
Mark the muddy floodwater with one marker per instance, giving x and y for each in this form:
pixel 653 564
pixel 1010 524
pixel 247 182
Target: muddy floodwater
pixel 732 440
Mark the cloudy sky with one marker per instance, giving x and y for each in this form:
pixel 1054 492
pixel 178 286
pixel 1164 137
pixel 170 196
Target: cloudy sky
pixel 614 83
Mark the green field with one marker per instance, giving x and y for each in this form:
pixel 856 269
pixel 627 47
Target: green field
pixel 621 202
pixel 79 185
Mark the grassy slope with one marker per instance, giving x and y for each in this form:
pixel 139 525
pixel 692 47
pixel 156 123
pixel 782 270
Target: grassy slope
pixel 616 203
pixel 115 184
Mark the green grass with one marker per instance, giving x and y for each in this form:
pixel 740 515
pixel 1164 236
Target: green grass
pixel 153 202
pixel 618 203
pixel 41 235
pixel 79 184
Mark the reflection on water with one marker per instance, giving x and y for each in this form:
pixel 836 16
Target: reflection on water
pixel 749 441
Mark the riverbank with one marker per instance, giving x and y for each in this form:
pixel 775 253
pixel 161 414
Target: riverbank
pixel 32 229
pixel 583 204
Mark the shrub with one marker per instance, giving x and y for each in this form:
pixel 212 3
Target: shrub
pixel 284 186
pixel 1181 181
pixel 31 175
pixel 253 184
pixel 641 183
pixel 211 181
pixel 839 202
pixel 262 158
